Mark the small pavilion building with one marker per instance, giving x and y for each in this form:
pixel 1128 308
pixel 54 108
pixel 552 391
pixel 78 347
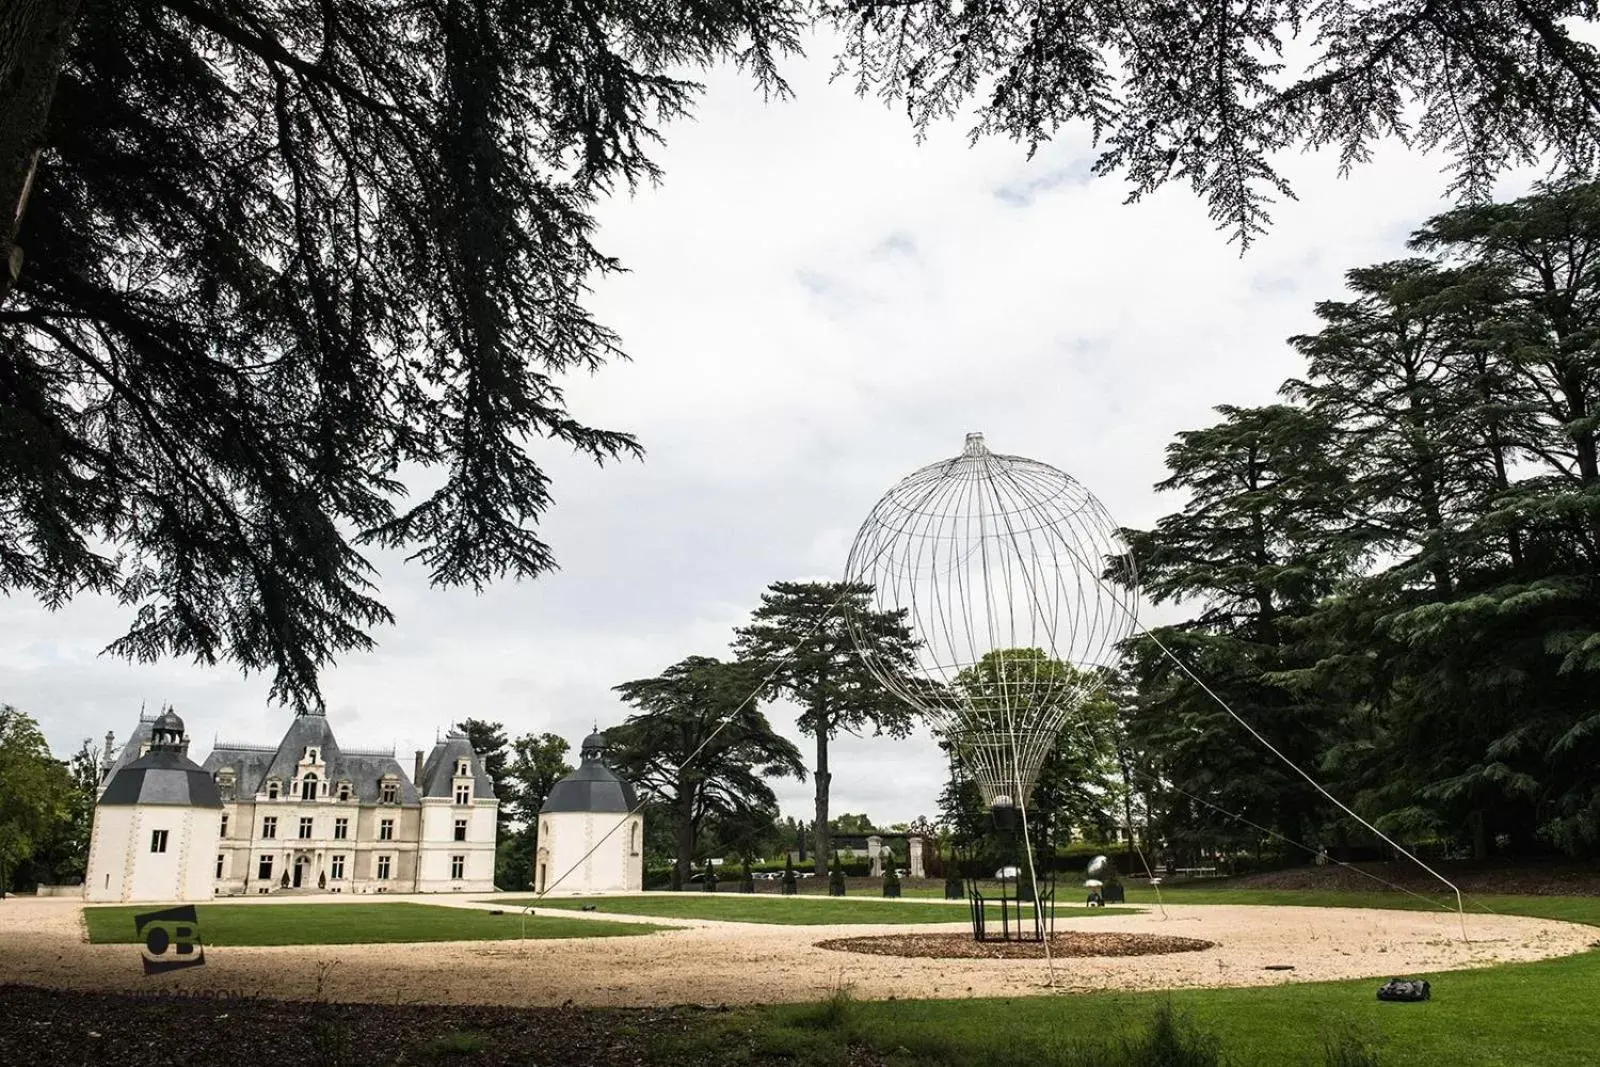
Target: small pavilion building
pixel 590 840
pixel 157 825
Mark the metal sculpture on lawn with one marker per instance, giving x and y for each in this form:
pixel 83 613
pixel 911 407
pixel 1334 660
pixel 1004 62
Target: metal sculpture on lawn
pixel 997 561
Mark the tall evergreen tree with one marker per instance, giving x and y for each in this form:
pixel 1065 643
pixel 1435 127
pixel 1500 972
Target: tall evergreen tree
pixel 700 746
pixel 284 258
pixel 1177 90
pixel 1252 545
pixel 799 637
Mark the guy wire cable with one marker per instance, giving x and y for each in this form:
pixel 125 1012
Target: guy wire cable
pixel 809 634
pixel 1297 844
pixel 1461 910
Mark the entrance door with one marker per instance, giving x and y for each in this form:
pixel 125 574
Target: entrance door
pixel 301 865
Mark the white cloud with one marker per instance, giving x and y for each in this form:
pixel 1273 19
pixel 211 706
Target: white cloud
pixel 816 307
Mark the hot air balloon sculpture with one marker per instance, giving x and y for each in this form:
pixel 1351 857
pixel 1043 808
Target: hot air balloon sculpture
pixel 998 562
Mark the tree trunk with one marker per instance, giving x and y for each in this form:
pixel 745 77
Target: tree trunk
pixel 685 828
pixel 820 833
pixel 33 45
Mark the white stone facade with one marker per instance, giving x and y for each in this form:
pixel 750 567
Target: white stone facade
pixel 151 852
pixel 331 820
pixel 566 839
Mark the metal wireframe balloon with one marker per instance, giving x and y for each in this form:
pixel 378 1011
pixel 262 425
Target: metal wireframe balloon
pixel 998 562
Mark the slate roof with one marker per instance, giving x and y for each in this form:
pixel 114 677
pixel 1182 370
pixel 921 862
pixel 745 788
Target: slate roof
pixel 593 787
pixel 438 771
pixel 130 748
pixel 253 765
pixel 162 777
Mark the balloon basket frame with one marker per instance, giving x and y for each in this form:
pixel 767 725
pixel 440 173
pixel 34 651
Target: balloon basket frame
pixel 1020 920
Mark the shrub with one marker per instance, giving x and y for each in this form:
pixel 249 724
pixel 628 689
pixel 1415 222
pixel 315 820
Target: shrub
pixel 836 879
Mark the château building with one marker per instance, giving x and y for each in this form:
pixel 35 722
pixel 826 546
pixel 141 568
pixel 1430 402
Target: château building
pixel 310 816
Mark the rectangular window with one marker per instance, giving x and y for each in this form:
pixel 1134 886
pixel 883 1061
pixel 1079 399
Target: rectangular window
pixel 158 841
pixel 461 829
pixel 224 825
pixel 221 861
pixel 386 830
pixel 391 793
pixel 458 867
pixel 269 826
pixel 336 868
pixel 305 827
pixel 463 794
pixel 264 870
pixel 383 868
pixel 272 790
pixel 341 829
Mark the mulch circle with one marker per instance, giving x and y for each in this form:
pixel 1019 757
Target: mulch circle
pixel 963 947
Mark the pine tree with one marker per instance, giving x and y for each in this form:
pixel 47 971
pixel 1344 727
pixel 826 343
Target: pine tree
pixel 798 636
pixel 1253 546
pixel 1200 92
pixel 284 258
pixel 700 747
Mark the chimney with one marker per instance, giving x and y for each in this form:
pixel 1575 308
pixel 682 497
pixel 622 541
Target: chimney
pixel 416 779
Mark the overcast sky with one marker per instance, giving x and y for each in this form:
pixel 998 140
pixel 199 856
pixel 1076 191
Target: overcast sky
pixel 816 306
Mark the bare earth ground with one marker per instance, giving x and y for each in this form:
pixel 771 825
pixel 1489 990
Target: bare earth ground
pixel 42 942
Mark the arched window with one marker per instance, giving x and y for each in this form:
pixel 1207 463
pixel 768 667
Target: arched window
pixel 633 839
pixel 272 789
pixel 308 787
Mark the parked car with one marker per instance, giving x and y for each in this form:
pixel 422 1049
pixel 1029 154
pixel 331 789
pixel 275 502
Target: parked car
pixel 1008 872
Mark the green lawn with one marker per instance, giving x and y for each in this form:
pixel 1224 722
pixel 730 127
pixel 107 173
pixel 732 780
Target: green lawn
pixel 786 911
pixel 352 924
pixel 1540 1013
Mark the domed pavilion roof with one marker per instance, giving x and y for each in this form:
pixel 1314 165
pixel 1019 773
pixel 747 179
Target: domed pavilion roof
pixel 593 787
pixel 164 775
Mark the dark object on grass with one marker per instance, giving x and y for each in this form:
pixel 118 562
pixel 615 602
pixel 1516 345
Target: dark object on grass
pixel 496 911
pixel 1401 989
pixel 1113 893
pixel 588 907
pixel 955 888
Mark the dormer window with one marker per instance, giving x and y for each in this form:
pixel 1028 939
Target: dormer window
pixel 463 768
pixel 390 793
pixel 272 789
pixel 308 787
pixel 463 794
pixel 311 756
pixel 344 790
